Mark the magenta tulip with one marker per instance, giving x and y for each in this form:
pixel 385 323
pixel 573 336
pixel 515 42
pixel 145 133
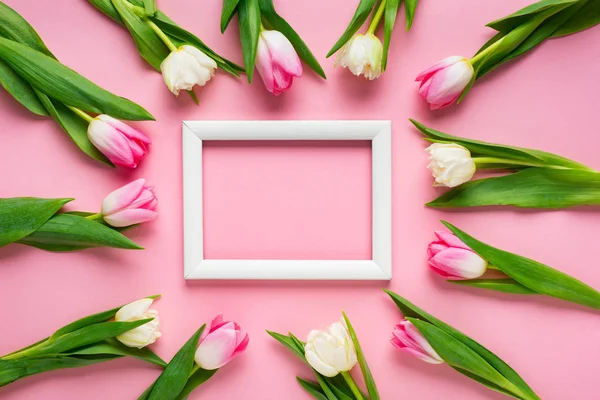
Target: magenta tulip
pixel 443 83
pixel 120 143
pixel 277 62
pixel 408 338
pixel 131 204
pixel 451 258
pixel 220 344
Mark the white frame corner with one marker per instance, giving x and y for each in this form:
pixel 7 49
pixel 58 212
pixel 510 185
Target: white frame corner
pixel 197 267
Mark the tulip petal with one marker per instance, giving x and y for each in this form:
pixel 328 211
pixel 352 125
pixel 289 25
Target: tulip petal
pixel 451 240
pixel 130 217
pixel 125 129
pixel 446 62
pixel 133 310
pixel 264 65
pixel 216 349
pixel 458 264
pixel 122 197
pixel 282 52
pixel 112 143
pixel 319 365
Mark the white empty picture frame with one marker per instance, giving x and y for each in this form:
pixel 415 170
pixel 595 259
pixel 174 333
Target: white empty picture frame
pixel 197 267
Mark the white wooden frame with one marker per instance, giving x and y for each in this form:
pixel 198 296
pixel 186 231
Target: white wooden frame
pixel 197 267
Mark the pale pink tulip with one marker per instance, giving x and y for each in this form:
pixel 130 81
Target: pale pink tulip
pixel 443 83
pixel 131 204
pixel 120 143
pixel 408 338
pixel 451 258
pixel 220 344
pixel 277 62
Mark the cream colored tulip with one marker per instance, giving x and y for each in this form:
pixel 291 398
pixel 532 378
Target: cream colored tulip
pixel 186 67
pixel 362 56
pixel 332 351
pixel 143 335
pixel 451 164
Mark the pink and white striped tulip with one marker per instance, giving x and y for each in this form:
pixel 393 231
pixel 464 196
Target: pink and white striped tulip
pixel 131 204
pixel 120 143
pixel 452 259
pixel 277 61
pixel 443 83
pixel 220 344
pixel 408 338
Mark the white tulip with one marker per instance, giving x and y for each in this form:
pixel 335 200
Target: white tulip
pixel 185 67
pixel 450 163
pixel 332 351
pixel 143 335
pixel 362 55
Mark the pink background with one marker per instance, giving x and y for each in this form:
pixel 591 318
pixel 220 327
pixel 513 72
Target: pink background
pixel 547 100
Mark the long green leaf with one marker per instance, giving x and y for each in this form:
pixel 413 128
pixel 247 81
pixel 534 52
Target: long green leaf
pixel 409 309
pixel 114 347
pixel 150 7
pixel 65 85
pixel 21 216
pixel 65 232
pixel 586 17
pixel 532 274
pixel 362 362
pixel 108 9
pixel 278 23
pixel 14 27
pixel 523 15
pixel 500 285
pixel 175 376
pixel 197 379
pixel 229 8
pixel 529 188
pixel 389 19
pixel 485 382
pixel 411 9
pixel 287 342
pixel 361 14
pixel 249 21
pixel 312 388
pixel 20 89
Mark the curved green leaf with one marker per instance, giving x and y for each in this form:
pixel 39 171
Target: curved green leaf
pixel 229 8
pixel 65 85
pixel 114 347
pixel 197 379
pixel 108 9
pixel 21 216
pixel 485 382
pixel 21 90
pixel 389 19
pixel 312 388
pixel 529 188
pixel 532 274
pixel 249 21
pixel 150 7
pixel 361 14
pixel 289 343
pixel 411 8
pixel 500 285
pixel 66 232
pixel 586 17
pixel 519 17
pixel 14 27
pixel 278 23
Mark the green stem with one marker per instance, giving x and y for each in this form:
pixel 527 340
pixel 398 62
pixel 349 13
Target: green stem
pixel 29 351
pixel 495 160
pixel 94 217
pixel 355 391
pixel 80 113
pixel 479 56
pixel 376 18
pixel 490 266
pixel 161 35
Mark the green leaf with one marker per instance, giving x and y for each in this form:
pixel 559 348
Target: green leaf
pixel 175 376
pixel 526 157
pixel 14 27
pixel 485 382
pixel 197 379
pixel 523 15
pixel 65 232
pixel 249 21
pixel 586 17
pixel 289 343
pixel 278 23
pixel 65 85
pixel 21 90
pixel 532 274
pixel 500 285
pixel 411 8
pixel 458 355
pixel 74 126
pixel 114 347
pixel 408 309
pixel 312 388
pixel 362 361
pixel 529 188
pixel 229 8
pixel 108 9
pixel 21 216
pixel 339 387
pixel 150 7
pixel 389 19
pixel 360 16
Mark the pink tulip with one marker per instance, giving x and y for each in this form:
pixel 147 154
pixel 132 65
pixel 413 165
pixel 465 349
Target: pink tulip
pixel 131 204
pixel 119 142
pixel 443 83
pixel 451 258
pixel 408 338
pixel 223 341
pixel 277 61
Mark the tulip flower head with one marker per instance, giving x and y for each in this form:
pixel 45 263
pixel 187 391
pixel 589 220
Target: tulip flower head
pixel 143 335
pixel 443 83
pixel 451 258
pixel 362 55
pixel 131 204
pixel 120 143
pixel 407 337
pixel 277 61
pixel 220 344
pixel 186 67
pixel 331 351
pixel 451 164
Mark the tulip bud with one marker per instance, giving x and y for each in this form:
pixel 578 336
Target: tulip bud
pixel 408 338
pixel 332 351
pixel 277 61
pixel 220 344
pixel 185 67
pixel 443 83
pixel 450 163
pixel 131 204
pixel 362 55
pixel 451 258
pixel 143 335
pixel 119 142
